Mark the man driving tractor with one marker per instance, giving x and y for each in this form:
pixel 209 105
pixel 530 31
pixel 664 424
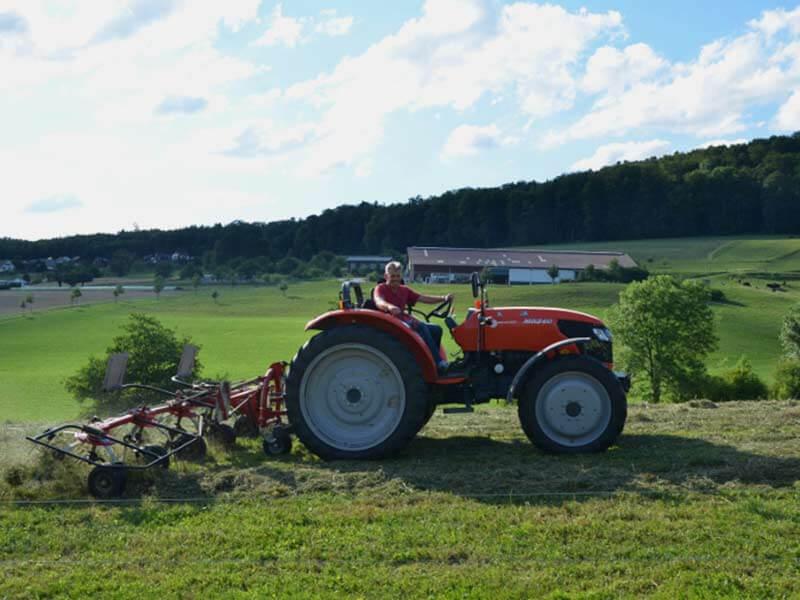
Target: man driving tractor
pixel 392 297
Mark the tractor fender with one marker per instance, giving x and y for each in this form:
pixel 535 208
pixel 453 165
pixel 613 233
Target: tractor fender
pixel 536 358
pixel 383 322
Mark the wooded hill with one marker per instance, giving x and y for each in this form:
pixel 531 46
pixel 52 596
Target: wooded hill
pixel 743 189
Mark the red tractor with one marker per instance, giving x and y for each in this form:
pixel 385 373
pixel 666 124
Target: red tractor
pixel 366 383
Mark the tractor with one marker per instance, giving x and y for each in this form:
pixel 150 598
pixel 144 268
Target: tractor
pixel 366 383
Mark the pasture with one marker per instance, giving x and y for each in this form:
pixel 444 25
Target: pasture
pixel 250 327
pixel 697 500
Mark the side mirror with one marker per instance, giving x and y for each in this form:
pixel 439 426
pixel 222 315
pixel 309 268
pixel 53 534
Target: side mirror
pixel 115 371
pixel 475 280
pixel 186 365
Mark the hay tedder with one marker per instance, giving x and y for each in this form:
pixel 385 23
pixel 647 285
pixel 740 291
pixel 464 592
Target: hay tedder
pixel 175 428
pixel 366 383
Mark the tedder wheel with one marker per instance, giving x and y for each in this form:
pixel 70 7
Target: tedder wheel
pixel 571 405
pixel 107 482
pixel 245 427
pixel 354 392
pixel 194 451
pixel 222 434
pixel 160 451
pixel 277 441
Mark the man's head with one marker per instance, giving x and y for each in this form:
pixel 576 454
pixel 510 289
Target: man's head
pixel 393 273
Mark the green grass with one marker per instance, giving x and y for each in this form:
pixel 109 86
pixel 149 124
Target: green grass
pixel 694 502
pixel 707 254
pixel 251 327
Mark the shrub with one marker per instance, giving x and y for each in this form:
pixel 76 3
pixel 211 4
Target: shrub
pixel 717 295
pixel 787 379
pixel 790 332
pixel 743 383
pixel 738 383
pixel 154 352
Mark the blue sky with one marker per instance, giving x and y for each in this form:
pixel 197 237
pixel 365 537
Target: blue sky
pixel 165 113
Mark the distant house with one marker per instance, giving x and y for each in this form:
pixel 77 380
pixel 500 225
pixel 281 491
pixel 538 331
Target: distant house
pixel 374 263
pixel 160 257
pixel 444 265
pixel 180 257
pixel 6 266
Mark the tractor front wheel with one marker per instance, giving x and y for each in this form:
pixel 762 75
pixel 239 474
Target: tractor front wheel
pixel 354 392
pixel 573 405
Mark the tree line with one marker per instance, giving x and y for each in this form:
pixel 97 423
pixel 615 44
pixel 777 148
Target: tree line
pixel 742 189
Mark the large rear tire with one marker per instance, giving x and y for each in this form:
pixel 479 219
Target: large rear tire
pixel 354 392
pixel 573 405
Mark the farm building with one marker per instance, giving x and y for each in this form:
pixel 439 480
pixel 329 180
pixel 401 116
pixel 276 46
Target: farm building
pixel 442 265
pixel 372 263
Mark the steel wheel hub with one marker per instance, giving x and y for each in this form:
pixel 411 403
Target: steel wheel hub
pixel 352 396
pixel 573 408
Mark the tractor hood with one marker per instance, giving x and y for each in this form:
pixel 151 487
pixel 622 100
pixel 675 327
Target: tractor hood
pixel 534 315
pixel 524 328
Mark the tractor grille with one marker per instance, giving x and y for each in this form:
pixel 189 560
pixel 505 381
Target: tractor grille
pixel 598 349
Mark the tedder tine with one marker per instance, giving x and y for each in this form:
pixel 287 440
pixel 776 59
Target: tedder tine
pixel 115 371
pixel 186 365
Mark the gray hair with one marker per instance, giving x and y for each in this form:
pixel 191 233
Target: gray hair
pixel 393 267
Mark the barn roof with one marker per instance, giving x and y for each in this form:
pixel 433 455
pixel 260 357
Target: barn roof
pixel 513 258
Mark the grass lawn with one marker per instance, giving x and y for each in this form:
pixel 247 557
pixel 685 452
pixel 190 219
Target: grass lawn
pixel 249 327
pixel 695 502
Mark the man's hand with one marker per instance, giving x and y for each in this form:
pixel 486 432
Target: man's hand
pixel 448 298
pixel 394 310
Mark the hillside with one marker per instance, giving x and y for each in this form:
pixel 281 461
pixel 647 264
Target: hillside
pixel 751 188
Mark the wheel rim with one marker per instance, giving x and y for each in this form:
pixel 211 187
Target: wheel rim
pixel 573 408
pixel 104 482
pixel 352 397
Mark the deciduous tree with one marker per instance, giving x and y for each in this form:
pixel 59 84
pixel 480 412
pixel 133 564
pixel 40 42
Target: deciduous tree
pixel 665 330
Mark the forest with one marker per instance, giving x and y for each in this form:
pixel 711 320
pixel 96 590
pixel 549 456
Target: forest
pixel 751 188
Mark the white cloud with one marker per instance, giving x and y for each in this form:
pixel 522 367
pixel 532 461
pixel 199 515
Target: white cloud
pixel 181 105
pixel 454 54
pixel 334 26
pixel 292 31
pixel 712 95
pixel 610 154
pixel 469 140
pixel 53 204
pixel 268 140
pixel 712 143
pixel 282 30
pixel 788 117
pixel 610 69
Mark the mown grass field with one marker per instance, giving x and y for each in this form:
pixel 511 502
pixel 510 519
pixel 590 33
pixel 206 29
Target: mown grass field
pixel 697 500
pixel 694 502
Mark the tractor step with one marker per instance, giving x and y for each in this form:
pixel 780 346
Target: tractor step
pixel 458 409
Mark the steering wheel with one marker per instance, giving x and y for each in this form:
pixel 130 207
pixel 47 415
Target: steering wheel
pixel 475 280
pixel 441 311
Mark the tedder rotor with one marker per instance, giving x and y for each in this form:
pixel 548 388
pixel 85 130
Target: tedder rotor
pixel 149 436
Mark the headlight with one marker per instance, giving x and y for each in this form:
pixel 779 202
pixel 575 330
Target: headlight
pixel 602 334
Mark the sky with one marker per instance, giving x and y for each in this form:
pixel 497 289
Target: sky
pixel 124 114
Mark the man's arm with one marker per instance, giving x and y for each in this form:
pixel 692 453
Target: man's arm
pixel 434 299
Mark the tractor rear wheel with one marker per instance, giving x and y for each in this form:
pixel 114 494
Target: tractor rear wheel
pixel 354 392
pixel 573 405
